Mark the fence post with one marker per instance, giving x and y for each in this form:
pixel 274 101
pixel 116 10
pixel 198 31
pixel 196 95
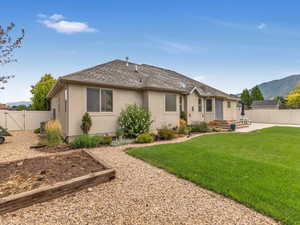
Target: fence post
pixel 24 116
pixel 5 113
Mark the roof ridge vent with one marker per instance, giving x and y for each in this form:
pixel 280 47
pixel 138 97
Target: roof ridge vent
pixel 126 58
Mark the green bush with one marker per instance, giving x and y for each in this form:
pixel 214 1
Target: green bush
pixel 107 140
pixel 199 127
pixel 53 137
pixel 135 120
pixel 53 133
pixel 166 133
pixel 86 123
pixel 119 133
pixel 183 115
pixel 86 141
pixel 182 129
pixel 37 130
pixel 145 138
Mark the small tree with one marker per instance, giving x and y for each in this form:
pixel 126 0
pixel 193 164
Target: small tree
pixel 40 91
pixel 293 98
pixel 86 123
pixel 135 120
pixel 7 46
pixel 246 98
pixel 256 94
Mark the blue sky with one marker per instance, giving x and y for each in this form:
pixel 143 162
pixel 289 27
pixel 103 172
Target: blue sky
pixel 230 45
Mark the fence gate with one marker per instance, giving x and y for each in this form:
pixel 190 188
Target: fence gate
pixel 22 120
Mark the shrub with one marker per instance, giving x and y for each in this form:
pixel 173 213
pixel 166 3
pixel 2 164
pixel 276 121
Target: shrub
pixel 182 129
pixel 53 133
pixel 86 141
pixel 53 125
pixel 183 115
pixel 37 130
pixel 145 138
pixel 166 133
pixel 107 140
pixel 122 142
pixel 86 123
pixel 119 133
pixel 135 120
pixel 199 127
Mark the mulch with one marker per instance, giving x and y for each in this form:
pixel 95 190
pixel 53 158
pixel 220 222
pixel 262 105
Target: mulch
pixel 28 174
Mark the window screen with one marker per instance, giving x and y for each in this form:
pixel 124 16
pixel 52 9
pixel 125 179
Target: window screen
pixel 199 104
pixel 208 105
pixel 170 103
pixel 93 101
pixel 106 100
pixel 228 104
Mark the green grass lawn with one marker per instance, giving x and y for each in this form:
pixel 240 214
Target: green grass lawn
pixel 260 169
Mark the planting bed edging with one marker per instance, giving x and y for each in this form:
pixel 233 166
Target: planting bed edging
pixel 21 200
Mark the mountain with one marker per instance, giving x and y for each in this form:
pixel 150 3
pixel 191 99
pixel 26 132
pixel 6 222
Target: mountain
pixel 279 87
pixel 10 104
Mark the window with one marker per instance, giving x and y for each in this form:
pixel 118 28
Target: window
pixel 93 100
pixel 228 104
pixel 180 104
pixel 208 105
pixel 66 99
pixel 106 100
pixel 199 104
pixel 170 103
pixel 54 114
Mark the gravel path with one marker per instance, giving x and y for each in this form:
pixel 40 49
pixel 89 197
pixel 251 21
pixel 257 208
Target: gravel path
pixel 18 146
pixel 141 194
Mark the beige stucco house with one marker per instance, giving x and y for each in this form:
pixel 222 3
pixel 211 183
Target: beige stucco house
pixel 105 90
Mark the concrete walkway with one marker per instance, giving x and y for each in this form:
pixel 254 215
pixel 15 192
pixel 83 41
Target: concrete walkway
pixel 258 126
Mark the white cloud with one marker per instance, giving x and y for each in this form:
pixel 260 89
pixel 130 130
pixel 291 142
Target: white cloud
pixel 56 17
pixel 170 46
pixel 57 23
pixel 174 47
pixel 42 16
pixel 199 78
pixel 262 26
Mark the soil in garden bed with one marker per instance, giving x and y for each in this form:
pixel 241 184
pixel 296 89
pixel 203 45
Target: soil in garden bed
pixel 29 174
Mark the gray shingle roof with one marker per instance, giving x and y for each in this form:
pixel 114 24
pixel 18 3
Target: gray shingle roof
pixel 117 73
pixel 265 103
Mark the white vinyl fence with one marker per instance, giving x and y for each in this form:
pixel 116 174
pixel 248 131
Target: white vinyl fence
pixel 279 116
pixel 22 120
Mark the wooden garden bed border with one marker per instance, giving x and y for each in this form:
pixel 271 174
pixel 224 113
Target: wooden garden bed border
pixel 42 194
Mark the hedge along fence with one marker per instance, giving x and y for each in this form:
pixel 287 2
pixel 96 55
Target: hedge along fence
pixel 23 120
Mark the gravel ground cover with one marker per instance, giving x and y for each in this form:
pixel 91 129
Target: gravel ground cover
pixel 140 194
pixel 18 146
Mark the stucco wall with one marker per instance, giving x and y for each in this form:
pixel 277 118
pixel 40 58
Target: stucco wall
pixel 103 122
pixel 58 102
pixel 193 113
pixel 159 115
pixel 284 116
pixel 230 113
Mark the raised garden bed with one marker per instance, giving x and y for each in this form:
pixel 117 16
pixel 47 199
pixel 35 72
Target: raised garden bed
pixel 25 182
